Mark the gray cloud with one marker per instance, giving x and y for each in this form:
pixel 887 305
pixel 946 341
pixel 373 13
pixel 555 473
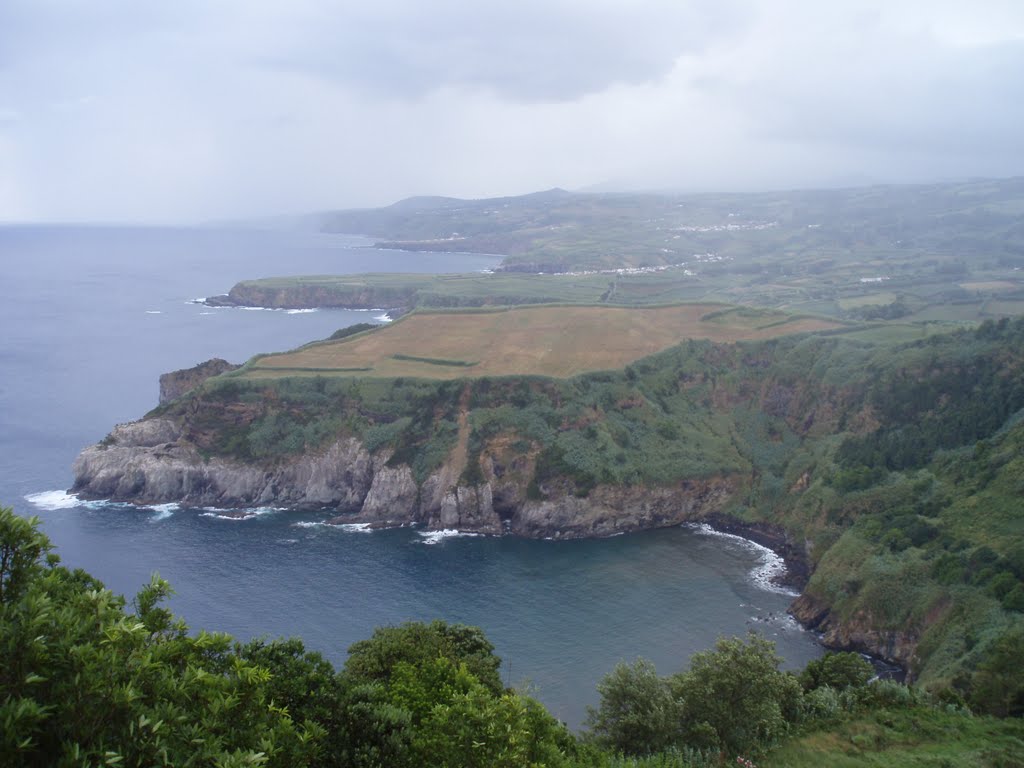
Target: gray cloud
pixel 528 50
pixel 121 109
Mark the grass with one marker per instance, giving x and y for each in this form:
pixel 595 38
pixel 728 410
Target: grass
pixel 871 299
pixel 560 341
pixel 433 361
pixel 903 738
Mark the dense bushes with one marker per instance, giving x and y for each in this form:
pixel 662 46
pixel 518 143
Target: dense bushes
pixel 732 700
pixel 85 681
pixel 963 389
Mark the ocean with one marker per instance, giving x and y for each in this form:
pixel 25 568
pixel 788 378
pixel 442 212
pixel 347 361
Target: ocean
pixel 92 315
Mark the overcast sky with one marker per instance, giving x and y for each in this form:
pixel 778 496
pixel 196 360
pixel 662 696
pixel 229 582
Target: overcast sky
pixel 180 110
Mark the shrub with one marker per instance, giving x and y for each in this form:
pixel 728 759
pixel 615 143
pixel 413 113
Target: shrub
pixel 838 671
pixel 637 714
pixel 735 697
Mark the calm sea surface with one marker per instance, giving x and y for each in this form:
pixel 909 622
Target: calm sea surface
pixel 91 316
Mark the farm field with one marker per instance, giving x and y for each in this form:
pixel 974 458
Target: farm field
pixel 559 341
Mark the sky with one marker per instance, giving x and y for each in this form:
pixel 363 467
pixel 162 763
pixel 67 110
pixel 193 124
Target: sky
pixel 194 110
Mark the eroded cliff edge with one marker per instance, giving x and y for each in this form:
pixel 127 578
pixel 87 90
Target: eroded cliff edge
pixel 150 462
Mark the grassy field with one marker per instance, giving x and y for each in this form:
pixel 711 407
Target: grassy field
pixel 902 737
pixel 557 341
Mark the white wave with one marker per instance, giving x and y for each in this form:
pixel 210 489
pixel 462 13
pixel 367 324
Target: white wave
pixel 436 537
pixel 354 527
pixel 238 514
pixel 771 567
pixel 207 313
pixel 349 527
pixel 287 541
pixel 153 312
pixel 52 500
pixel 163 511
pixel 278 309
pixel 385 318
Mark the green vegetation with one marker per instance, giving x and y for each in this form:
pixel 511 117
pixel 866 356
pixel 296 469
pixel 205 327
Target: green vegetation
pixel 352 330
pixel 892 444
pixel 899 463
pixel 935 253
pixel 86 681
pixel 433 361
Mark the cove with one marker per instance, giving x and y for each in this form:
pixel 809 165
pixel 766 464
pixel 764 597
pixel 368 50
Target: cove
pixel 94 315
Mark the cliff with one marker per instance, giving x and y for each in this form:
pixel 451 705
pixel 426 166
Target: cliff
pixel 150 462
pixel 893 473
pixel 176 383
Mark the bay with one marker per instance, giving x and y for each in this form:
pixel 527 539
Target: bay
pixel 93 315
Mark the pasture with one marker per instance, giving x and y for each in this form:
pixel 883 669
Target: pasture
pixel 558 341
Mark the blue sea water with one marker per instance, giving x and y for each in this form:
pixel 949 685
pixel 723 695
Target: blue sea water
pixel 93 315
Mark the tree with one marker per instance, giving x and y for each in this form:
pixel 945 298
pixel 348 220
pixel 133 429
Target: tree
pixel 429 694
pixel 998 688
pixel 84 682
pixel 836 670
pixel 637 714
pixel 735 698
pixel 374 659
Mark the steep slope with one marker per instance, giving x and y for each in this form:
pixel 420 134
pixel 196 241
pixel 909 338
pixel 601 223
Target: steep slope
pixel 894 468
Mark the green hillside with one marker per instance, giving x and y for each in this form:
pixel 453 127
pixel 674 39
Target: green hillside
pixel 898 465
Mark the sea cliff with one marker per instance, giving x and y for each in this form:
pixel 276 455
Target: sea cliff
pixel 892 472
pixel 150 462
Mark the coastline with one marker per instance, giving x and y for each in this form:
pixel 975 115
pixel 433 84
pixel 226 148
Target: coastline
pixel 797 571
pixel 794 578
pixel 791 579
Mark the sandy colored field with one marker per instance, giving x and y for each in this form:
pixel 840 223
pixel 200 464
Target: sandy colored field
pixel 991 285
pixel 547 341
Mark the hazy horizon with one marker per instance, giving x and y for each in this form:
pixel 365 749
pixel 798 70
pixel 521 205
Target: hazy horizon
pixel 270 218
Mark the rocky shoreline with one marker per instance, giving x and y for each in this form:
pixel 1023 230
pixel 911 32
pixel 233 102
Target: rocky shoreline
pixel 152 462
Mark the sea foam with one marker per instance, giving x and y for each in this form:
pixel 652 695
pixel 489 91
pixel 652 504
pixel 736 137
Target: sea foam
pixel 238 514
pixel 771 567
pixel 436 537
pixel 52 500
pixel 163 511
pixel 349 527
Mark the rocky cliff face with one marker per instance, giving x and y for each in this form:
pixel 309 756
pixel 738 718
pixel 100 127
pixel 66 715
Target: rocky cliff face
pixel 859 633
pixel 176 383
pixel 313 295
pixel 150 462
pixel 147 462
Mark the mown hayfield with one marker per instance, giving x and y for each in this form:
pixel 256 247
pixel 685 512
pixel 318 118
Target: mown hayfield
pixel 557 341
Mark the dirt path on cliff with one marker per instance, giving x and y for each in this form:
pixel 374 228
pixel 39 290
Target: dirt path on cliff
pixel 460 455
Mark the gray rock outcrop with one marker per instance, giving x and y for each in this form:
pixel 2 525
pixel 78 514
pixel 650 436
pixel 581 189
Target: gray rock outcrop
pixel 150 462
pixel 176 383
pixel 147 462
